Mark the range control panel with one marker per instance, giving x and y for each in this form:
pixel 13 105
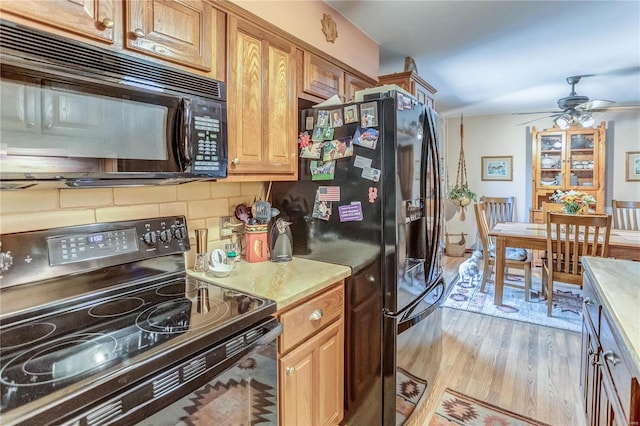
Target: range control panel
pixel 36 255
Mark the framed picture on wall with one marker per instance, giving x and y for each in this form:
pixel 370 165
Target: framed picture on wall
pixel 497 168
pixel 633 166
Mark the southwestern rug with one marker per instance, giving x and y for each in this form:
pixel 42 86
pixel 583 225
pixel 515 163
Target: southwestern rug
pixel 465 294
pixel 456 408
pixel 409 390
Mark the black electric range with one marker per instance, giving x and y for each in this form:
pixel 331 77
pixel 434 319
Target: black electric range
pixel 99 320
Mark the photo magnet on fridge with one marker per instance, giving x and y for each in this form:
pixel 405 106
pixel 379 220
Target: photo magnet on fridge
pixel 313 150
pixel 328 134
pixel 309 123
pixel 321 208
pixel 367 138
pixel 318 134
pixel 323 118
pixel 336 118
pixel 369 114
pixel 350 114
pixel 338 148
pixel 371 174
pixel 322 170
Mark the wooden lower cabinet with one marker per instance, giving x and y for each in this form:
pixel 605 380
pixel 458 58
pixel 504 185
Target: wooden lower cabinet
pixel 311 365
pixel 610 392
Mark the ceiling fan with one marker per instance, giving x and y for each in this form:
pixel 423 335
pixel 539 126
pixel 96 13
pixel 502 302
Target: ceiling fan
pixel 574 109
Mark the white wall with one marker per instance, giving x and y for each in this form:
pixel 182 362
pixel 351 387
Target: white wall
pixel 501 135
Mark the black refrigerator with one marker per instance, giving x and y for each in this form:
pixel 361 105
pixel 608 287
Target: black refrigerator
pixel 369 196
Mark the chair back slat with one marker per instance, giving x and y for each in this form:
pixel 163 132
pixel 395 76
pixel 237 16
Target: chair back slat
pixel 626 215
pixel 569 237
pixel 498 209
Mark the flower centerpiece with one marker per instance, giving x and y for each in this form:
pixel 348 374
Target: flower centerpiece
pixel 572 201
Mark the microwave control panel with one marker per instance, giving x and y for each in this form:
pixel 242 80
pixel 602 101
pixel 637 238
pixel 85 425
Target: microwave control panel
pixel 206 127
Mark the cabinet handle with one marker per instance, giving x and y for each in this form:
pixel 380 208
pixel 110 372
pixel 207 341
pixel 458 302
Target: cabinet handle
pixel 138 33
pixel 235 161
pixel 316 315
pixel 107 22
pixel 610 357
pixel 290 370
pixel 588 301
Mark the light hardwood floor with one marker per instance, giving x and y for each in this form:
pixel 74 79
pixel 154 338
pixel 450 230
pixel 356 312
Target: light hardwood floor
pixel 525 368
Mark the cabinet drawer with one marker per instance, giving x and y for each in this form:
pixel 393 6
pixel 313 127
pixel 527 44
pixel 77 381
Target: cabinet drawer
pixel 620 373
pixel 310 317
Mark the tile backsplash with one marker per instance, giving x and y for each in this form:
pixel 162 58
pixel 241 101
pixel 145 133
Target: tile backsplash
pixel 203 203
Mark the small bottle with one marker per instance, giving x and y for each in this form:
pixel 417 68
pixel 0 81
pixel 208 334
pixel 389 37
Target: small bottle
pixel 236 250
pixel 232 254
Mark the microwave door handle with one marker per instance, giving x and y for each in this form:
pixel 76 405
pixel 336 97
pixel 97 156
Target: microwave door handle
pixel 184 127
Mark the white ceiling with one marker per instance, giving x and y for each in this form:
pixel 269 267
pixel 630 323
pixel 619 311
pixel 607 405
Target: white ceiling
pixel 491 57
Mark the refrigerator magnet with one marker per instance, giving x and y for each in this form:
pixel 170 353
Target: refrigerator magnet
pixel 323 118
pixel 328 193
pixel 322 170
pixel 328 134
pixel 318 134
pixel 350 212
pixel 313 150
pixel 351 114
pixel 369 114
pixel 321 210
pixel 361 162
pixel 403 102
pixel 367 138
pixel 309 123
pixel 338 148
pixel 371 174
pixel 373 194
pixel 336 118
pixel 304 139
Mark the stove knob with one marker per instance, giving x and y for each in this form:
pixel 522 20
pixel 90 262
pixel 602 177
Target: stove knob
pixel 165 235
pixel 149 237
pixel 180 232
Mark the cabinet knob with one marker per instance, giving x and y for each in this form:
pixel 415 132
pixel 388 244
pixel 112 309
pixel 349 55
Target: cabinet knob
pixel 290 370
pixel 107 22
pixel 316 315
pixel 138 33
pixel 235 161
pixel 588 301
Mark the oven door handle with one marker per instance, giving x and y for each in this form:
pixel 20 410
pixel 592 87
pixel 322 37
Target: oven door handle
pixel 271 335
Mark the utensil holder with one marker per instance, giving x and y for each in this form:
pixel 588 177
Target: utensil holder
pixel 256 246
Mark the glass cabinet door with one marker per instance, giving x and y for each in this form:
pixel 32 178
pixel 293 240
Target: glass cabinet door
pixel 550 160
pixel 581 159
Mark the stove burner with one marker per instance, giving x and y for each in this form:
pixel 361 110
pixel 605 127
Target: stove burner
pixel 25 334
pixel 177 289
pixel 116 307
pixel 166 317
pixel 61 359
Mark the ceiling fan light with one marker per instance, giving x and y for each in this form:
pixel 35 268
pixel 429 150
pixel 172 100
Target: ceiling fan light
pixel 564 121
pixel 586 120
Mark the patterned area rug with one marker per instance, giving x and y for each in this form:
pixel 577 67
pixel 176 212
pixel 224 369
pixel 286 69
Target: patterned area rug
pixel 409 390
pixel 459 409
pixel 567 302
pixel 223 402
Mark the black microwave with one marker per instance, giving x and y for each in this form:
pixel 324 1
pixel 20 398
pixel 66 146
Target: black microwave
pixel 76 115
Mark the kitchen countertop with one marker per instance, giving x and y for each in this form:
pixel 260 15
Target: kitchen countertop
pixel 284 282
pixel 618 286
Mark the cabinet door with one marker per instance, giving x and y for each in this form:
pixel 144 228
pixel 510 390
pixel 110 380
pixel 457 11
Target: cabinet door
pixel 352 85
pixel 321 77
pixel 312 378
pixel 262 105
pixel 178 31
pixel 589 373
pixel 94 19
pixel 582 163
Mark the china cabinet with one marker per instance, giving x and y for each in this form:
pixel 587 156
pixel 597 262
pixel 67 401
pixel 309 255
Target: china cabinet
pixel 565 160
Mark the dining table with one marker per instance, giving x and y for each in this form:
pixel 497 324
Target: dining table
pixel 623 244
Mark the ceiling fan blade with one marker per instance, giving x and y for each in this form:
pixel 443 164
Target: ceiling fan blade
pixel 615 108
pixel 537 112
pixel 539 118
pixel 594 104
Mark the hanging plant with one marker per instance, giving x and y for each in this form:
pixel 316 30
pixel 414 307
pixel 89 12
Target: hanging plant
pixel 460 194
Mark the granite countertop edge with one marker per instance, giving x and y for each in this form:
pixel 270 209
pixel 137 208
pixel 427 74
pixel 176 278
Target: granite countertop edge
pixel 620 295
pixel 284 282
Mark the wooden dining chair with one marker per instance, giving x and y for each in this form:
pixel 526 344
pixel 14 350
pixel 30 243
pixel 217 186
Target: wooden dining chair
pixel 515 258
pixel 551 207
pixel 626 215
pixel 498 209
pixel 569 237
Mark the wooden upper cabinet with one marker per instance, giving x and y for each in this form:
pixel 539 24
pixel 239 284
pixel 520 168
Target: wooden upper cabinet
pixel 179 31
pixel 412 83
pixel 262 107
pixel 322 79
pixel 94 19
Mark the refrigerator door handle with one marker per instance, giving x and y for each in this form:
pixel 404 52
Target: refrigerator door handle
pixel 415 319
pixel 439 282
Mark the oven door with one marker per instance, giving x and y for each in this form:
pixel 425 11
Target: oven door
pixel 233 382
